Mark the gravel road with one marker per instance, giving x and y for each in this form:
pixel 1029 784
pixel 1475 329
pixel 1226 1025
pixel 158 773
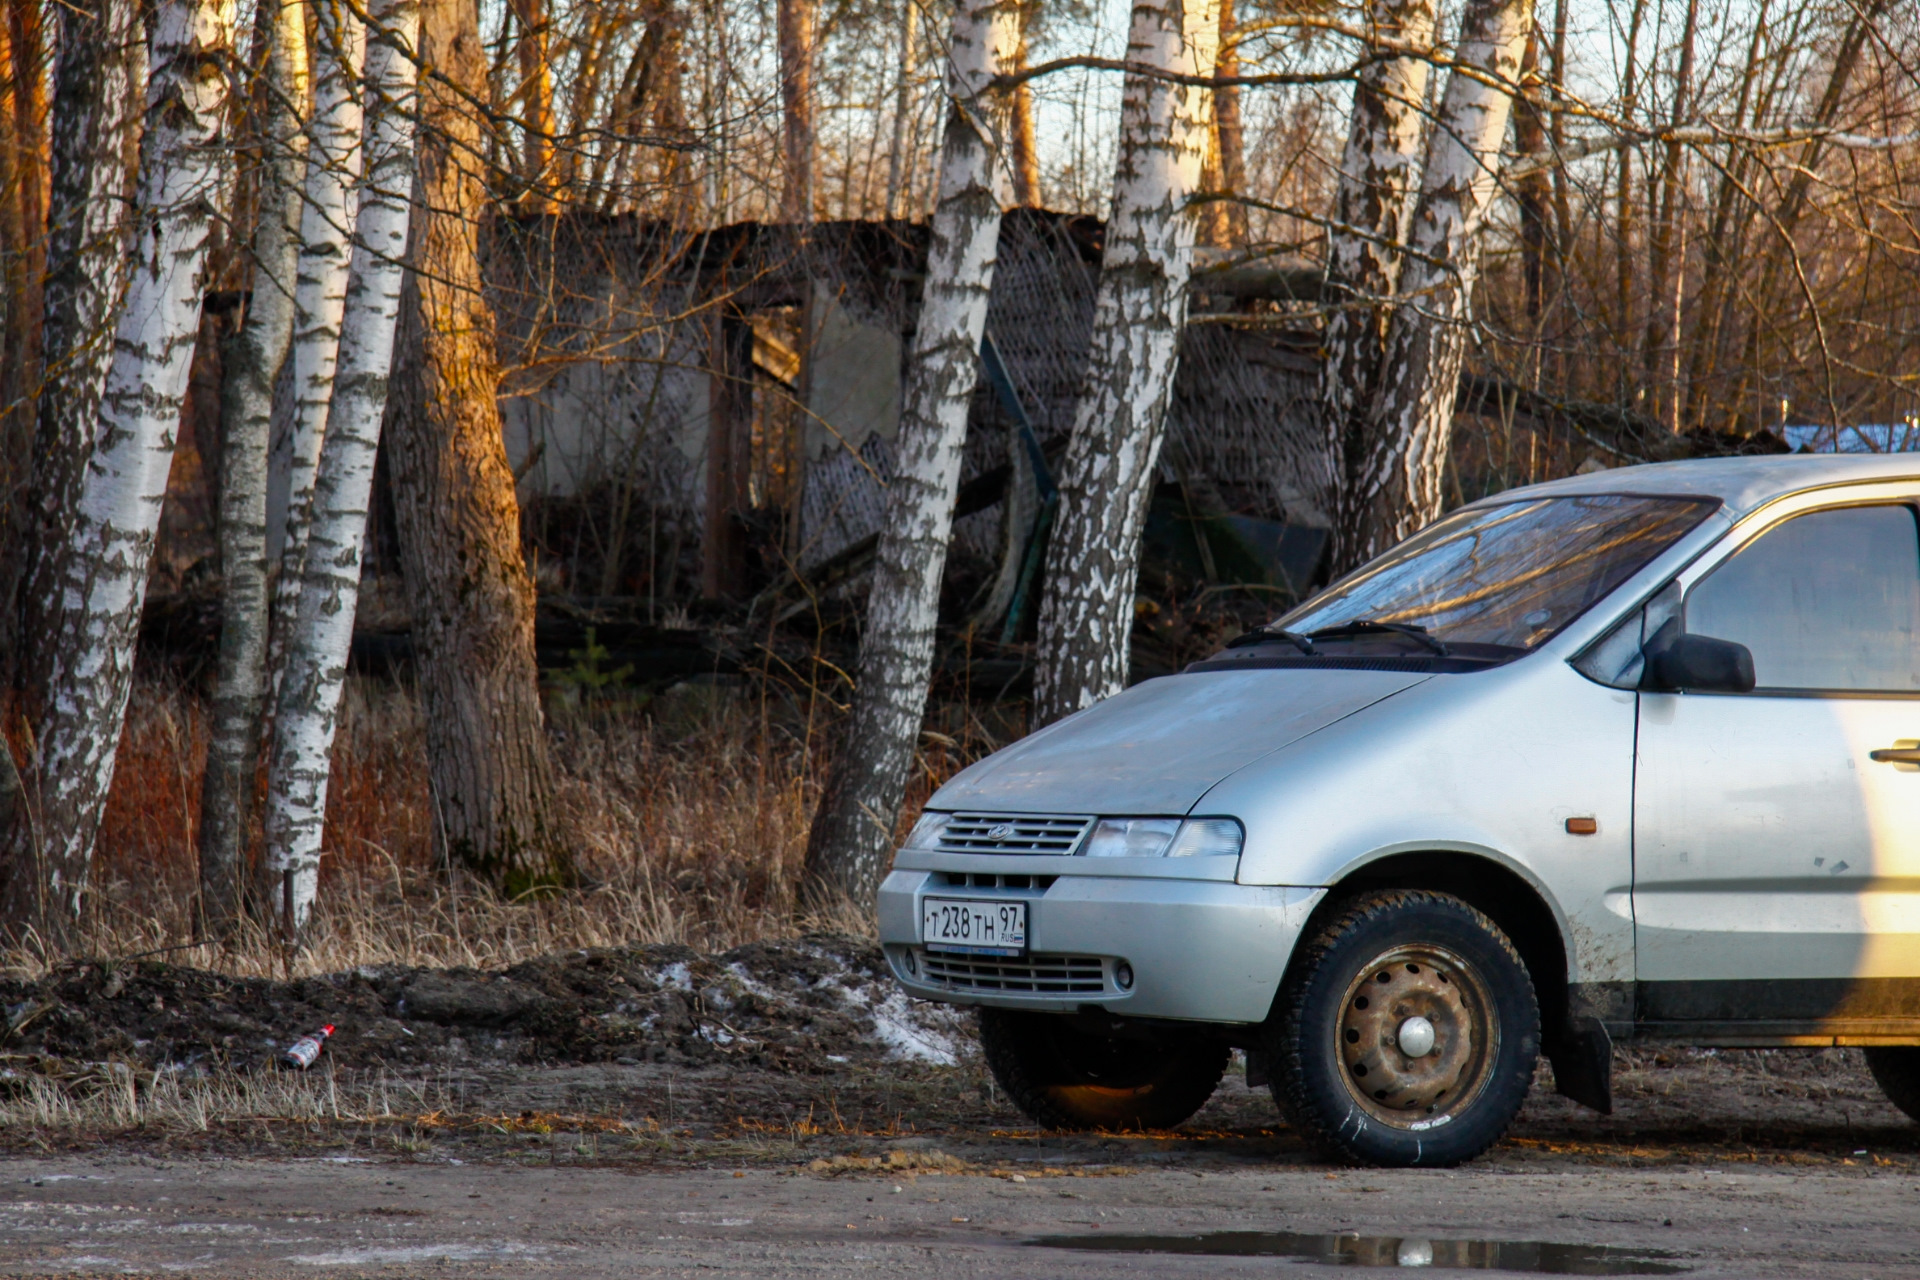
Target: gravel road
pixel 316 1217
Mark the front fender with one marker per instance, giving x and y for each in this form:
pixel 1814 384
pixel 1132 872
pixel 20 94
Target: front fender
pixel 1488 764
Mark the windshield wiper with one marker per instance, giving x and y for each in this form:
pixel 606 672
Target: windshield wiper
pixel 1370 626
pixel 1260 635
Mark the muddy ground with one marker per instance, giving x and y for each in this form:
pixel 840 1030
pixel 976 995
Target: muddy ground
pixel 623 1083
pixel 802 1008
pixel 787 1050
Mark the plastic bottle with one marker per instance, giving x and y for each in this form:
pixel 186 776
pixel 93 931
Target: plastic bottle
pixel 305 1051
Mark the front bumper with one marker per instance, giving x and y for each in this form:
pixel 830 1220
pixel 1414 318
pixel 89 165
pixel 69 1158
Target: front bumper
pixel 1203 949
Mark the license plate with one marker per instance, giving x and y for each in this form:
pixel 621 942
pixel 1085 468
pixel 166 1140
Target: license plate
pixel 964 924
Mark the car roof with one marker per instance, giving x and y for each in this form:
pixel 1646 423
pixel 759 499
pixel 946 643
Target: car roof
pixel 1743 484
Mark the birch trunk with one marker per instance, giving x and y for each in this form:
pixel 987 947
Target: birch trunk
pixel 1412 421
pixel 316 660
pixel 319 291
pixel 1377 173
pixel 98 81
pixel 459 522
pixel 252 365
pixel 102 571
pixel 1140 307
pixel 852 837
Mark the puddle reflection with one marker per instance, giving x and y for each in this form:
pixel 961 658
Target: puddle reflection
pixel 1536 1256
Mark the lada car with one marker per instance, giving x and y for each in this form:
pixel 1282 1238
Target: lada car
pixel 1633 755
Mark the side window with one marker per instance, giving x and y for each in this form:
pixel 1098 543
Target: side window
pixel 1827 600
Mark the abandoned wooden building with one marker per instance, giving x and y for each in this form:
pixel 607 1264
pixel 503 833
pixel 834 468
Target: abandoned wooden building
pixel 743 386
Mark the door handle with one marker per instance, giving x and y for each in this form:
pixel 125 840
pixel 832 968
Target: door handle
pixel 1896 755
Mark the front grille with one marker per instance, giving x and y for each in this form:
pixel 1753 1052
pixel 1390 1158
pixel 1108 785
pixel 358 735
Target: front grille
pixel 1013 833
pixel 992 880
pixel 1032 975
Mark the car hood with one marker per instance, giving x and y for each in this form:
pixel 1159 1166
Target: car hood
pixel 1159 746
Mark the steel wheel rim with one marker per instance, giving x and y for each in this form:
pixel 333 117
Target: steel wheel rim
pixel 1416 980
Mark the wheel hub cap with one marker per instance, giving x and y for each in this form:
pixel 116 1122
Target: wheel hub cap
pixel 1416 1037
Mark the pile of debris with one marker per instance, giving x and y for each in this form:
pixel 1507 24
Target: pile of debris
pixel 811 1006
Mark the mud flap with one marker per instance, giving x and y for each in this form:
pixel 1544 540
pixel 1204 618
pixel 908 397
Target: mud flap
pixel 1582 1057
pixel 1259 1069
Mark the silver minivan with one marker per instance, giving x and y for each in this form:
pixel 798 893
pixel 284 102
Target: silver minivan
pixel 1629 756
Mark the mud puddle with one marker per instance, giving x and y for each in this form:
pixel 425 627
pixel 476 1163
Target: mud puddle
pixel 1537 1257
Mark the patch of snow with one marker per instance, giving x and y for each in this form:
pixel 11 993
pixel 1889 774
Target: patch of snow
pixel 896 1028
pixel 738 972
pixel 419 1253
pixel 677 977
pixel 855 995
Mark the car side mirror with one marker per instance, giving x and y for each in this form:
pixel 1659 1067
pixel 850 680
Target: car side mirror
pixel 1678 662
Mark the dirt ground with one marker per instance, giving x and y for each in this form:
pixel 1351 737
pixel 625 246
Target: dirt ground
pixel 654 1112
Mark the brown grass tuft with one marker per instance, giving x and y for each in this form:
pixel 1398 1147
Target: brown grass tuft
pixel 690 812
pixel 115 1097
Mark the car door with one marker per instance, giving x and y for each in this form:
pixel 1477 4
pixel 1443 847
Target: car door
pixel 1777 833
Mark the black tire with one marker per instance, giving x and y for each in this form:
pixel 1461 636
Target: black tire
pixel 1066 1078
pixel 1436 959
pixel 1896 1069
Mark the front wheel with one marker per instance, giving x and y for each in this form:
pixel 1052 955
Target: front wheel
pixel 1407 1034
pixel 1066 1078
pixel 1896 1069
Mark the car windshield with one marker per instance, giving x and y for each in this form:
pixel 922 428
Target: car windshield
pixel 1506 576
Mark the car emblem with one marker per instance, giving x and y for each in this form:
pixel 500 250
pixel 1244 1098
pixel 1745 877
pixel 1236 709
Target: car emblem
pixel 999 831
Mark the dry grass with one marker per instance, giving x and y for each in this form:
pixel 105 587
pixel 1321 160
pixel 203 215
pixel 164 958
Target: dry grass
pixel 690 813
pixel 115 1098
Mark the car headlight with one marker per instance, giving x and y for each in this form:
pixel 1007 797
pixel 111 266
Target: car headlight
pixel 926 832
pixel 1207 838
pixel 1130 837
pixel 1163 837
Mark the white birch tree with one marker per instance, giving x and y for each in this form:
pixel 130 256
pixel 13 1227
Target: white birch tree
pixel 253 363
pixel 320 287
pixel 99 76
pixel 1411 424
pixel 1378 170
pixel 852 836
pixel 101 574
pixel 316 653
pixel 1140 307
